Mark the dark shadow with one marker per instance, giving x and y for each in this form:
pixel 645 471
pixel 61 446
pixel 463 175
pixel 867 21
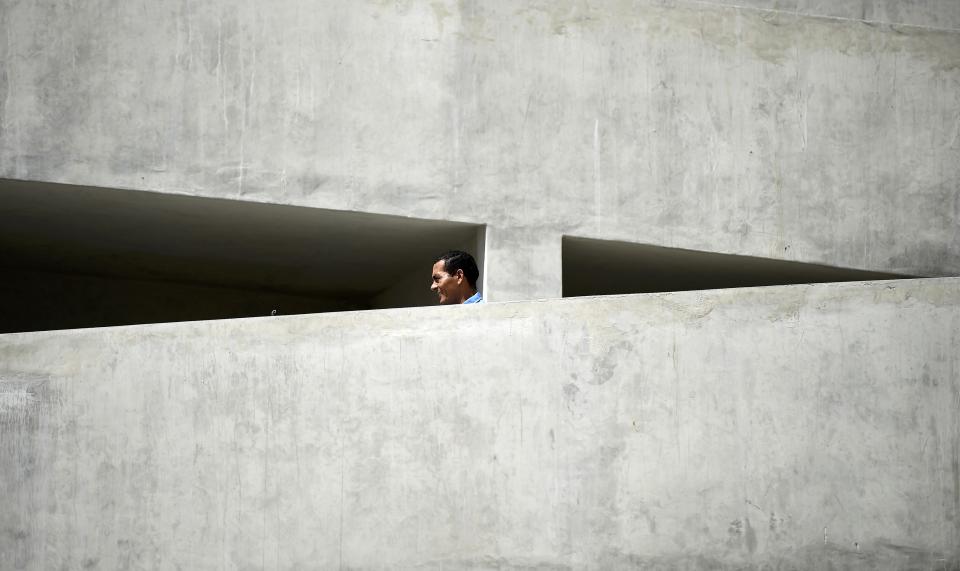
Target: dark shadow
pixel 607 267
pixel 75 256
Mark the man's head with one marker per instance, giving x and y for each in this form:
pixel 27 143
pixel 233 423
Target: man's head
pixel 455 277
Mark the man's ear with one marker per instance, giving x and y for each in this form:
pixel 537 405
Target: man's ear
pixel 459 275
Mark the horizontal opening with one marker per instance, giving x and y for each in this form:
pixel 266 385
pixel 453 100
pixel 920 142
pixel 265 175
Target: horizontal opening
pixel 75 256
pixel 607 267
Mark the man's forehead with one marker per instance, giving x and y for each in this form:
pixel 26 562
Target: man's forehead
pixel 439 267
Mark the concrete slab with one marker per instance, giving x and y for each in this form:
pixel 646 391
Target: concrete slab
pixel 796 427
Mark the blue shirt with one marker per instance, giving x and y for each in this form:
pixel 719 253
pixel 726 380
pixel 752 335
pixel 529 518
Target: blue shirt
pixel 475 298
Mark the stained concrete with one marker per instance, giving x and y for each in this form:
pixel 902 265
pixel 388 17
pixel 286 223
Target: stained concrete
pixel 940 14
pixel 815 132
pixel 616 432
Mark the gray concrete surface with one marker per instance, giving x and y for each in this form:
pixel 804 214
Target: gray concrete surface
pixel 940 14
pixel 709 126
pixel 797 427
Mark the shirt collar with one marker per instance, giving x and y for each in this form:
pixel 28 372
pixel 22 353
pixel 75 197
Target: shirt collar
pixel 475 298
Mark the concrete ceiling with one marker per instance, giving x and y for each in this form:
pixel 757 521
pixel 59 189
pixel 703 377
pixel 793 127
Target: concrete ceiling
pixel 143 235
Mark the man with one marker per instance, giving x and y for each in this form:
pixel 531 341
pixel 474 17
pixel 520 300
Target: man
pixel 455 278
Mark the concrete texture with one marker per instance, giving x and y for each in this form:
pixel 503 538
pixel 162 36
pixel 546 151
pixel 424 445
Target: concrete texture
pixel 618 432
pixel 772 133
pixel 940 14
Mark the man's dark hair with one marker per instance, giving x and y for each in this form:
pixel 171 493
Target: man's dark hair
pixel 456 260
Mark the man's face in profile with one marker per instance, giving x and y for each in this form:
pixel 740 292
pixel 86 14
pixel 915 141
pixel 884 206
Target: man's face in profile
pixel 445 285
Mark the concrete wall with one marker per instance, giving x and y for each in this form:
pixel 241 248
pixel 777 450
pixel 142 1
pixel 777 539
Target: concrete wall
pixel 618 432
pixel 794 129
pixel 938 14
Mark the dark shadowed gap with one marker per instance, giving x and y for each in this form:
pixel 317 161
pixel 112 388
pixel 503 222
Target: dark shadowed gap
pixel 73 256
pixel 607 267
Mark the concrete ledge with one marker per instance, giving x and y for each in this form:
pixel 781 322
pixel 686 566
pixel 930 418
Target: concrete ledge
pixel 798 426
